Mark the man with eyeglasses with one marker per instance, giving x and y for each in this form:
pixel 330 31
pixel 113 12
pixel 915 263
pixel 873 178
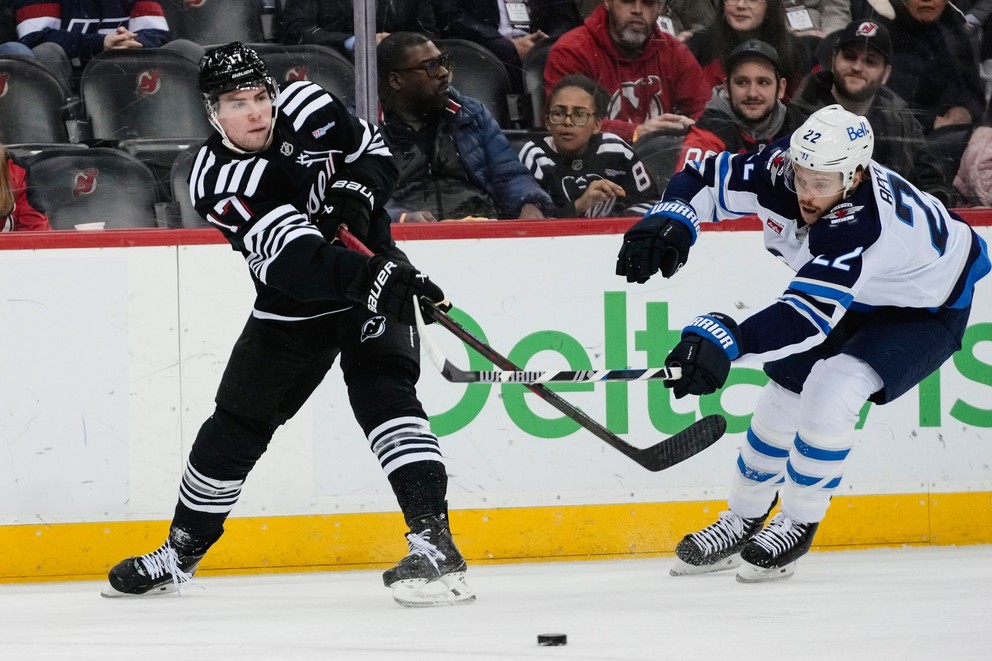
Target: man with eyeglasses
pixel 454 161
pixel 655 83
pixel 860 66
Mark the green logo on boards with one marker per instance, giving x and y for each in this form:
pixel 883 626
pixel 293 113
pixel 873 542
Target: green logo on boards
pixel 650 346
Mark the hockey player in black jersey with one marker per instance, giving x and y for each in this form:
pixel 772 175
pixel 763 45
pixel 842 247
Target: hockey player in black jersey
pixel 285 168
pixel 884 281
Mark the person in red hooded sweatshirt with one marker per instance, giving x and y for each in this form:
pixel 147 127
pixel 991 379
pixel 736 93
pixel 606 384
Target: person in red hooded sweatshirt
pixel 17 212
pixel 655 83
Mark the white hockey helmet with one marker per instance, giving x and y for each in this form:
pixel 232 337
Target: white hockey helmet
pixel 833 140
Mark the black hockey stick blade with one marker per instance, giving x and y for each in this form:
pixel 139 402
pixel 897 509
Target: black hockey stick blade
pixel 690 441
pixel 456 375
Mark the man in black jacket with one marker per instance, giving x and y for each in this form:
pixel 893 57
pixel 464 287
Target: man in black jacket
pixel 860 67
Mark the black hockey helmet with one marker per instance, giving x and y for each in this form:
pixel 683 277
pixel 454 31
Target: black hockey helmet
pixel 230 67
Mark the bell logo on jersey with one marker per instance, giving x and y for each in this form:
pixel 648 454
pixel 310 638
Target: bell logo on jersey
pixel 84 182
pixel 149 82
pixel 373 328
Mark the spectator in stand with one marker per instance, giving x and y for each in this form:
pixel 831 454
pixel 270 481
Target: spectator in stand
pixel 509 29
pixel 736 22
pixel 860 67
pixel 974 178
pixel 18 211
pixel 934 66
pixel 587 172
pixel 655 84
pixel 815 19
pixel 746 113
pixel 65 35
pixel 9 45
pixel 331 22
pixel 689 17
pixel 454 161
pixel 935 71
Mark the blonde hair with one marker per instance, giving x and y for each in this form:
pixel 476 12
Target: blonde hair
pixel 6 190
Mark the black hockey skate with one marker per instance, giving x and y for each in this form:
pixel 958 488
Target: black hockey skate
pixel 162 571
pixel 771 554
pixel 433 573
pixel 716 547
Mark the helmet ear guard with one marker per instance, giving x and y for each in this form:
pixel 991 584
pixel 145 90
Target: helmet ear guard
pixel 833 140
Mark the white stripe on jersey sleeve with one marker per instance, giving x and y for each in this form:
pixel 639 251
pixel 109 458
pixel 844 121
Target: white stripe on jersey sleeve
pixel 271 233
pixel 204 161
pixel 37 24
pixel 372 143
pixel 295 94
pixel 148 23
pixel 310 109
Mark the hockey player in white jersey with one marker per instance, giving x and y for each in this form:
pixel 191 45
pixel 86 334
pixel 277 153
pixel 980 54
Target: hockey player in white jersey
pixel 880 299
pixel 284 169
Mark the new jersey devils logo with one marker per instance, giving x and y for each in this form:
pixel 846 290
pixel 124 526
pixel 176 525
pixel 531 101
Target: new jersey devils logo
pixel 193 3
pixel 296 73
pixel 867 29
pixel 4 77
pixel 642 98
pixel 149 82
pixel 374 327
pixel 84 182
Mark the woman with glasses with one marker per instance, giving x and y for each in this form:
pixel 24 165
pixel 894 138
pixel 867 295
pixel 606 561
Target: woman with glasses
pixel 587 172
pixel 740 20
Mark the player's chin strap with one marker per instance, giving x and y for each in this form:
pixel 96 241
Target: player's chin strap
pixel 693 439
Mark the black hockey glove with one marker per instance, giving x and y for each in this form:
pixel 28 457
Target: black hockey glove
pixel 346 202
pixel 388 286
pixel 708 345
pixel 659 241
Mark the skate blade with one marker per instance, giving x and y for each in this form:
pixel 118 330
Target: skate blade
pixel 111 593
pixel 683 568
pixel 448 590
pixel 748 573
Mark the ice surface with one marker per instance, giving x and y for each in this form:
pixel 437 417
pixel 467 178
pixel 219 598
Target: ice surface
pixel 909 603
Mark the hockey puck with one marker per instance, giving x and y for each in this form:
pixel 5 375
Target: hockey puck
pixel 551 639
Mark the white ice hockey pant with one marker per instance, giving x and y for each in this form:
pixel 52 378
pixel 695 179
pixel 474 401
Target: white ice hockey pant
pixel 798 444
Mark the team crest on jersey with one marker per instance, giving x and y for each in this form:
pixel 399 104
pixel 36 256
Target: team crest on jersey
pixel 296 73
pixel 286 149
pixel 843 213
pixel 373 328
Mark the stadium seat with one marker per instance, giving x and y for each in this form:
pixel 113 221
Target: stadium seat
pixel 135 93
pixel 188 217
pixel 319 64
pixel 79 186
pixel 214 22
pixel 477 73
pixel 534 80
pixel 32 103
pixel 518 139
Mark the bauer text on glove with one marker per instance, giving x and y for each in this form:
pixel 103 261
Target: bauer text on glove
pixel 387 287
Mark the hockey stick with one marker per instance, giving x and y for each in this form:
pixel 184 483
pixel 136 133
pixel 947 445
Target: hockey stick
pixel 693 439
pixel 452 373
